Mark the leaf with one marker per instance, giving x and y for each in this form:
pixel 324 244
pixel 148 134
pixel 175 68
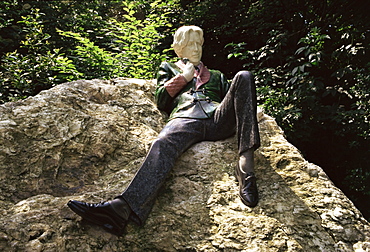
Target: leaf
pixel 301 49
pixel 295 70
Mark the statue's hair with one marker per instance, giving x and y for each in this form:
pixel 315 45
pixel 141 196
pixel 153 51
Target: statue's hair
pixel 181 37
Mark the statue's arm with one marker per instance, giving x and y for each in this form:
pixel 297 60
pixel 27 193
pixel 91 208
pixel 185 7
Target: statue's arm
pixel 169 83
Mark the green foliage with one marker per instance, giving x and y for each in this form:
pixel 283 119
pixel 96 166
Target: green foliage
pixel 35 66
pixel 5 13
pixel 10 13
pixel 132 49
pixel 93 61
pixel 137 40
pixel 97 45
pixel 317 88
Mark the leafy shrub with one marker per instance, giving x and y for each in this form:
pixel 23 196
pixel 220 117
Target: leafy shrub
pixel 34 66
pixel 105 49
pixel 93 61
pixel 133 49
pixel 319 95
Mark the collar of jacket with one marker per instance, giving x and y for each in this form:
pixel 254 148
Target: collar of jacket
pixel 203 76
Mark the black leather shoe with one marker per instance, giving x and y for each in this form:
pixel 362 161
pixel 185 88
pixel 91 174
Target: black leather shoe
pixel 248 192
pixel 112 216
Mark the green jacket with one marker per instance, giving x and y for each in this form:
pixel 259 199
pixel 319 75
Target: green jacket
pixel 189 104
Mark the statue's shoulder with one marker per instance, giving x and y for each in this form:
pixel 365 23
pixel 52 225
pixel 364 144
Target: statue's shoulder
pixel 216 73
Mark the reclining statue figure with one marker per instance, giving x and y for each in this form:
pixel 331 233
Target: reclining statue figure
pixel 202 106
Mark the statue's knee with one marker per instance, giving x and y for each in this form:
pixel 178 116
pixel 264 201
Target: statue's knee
pixel 244 75
pixel 244 78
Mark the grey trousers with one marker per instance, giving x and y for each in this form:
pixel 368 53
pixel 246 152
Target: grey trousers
pixel 236 113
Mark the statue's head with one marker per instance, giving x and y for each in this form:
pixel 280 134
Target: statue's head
pixel 188 42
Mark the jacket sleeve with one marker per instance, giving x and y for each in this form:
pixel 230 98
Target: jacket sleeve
pixel 163 99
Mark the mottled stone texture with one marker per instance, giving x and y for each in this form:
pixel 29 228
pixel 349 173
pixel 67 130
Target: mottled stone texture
pixel 84 140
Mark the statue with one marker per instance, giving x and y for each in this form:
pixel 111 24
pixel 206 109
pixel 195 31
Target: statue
pixel 202 105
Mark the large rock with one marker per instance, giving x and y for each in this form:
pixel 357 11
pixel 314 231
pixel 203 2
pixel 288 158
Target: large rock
pixel 84 140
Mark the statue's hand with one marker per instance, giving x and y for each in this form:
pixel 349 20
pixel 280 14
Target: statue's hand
pixel 188 71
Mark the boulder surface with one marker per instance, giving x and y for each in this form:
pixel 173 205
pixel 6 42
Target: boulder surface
pixel 84 140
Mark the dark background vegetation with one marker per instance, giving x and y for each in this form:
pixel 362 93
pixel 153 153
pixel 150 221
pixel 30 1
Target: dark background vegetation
pixel 309 58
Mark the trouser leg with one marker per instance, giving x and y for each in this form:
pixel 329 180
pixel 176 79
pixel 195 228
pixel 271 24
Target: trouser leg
pixel 177 136
pixel 237 112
